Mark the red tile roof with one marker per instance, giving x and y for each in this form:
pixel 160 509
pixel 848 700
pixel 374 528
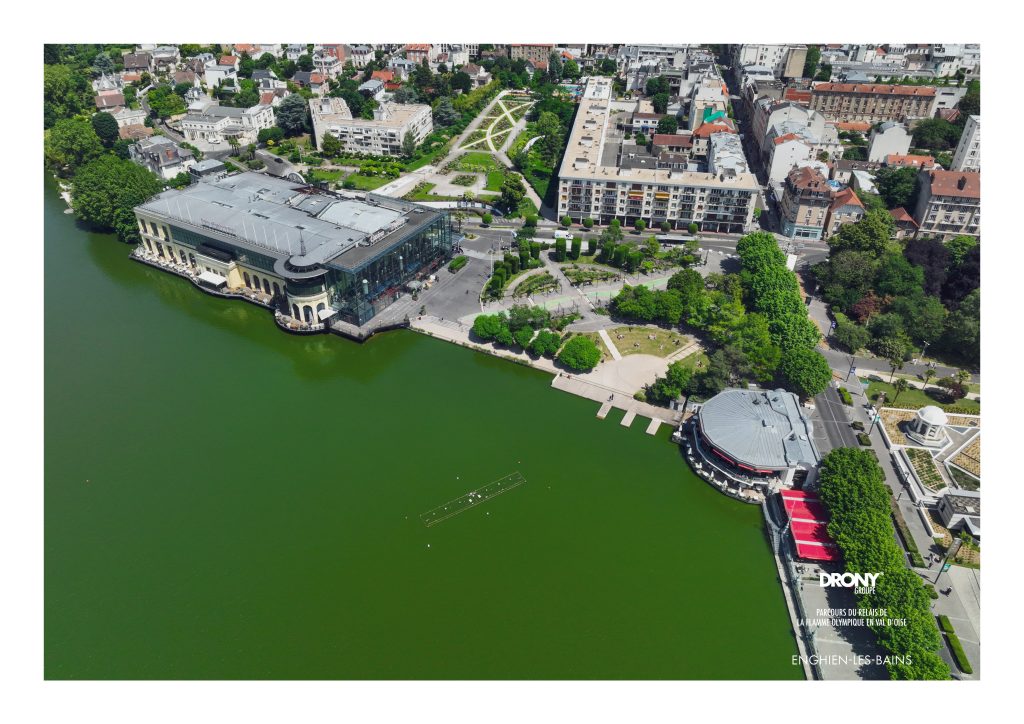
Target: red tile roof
pixel 110 100
pixel 228 59
pixel 672 139
pixel 384 75
pixel 853 126
pixel 786 137
pixel 900 216
pixel 244 48
pixel 796 95
pixel 707 129
pixel 266 98
pixel 899 160
pixel 875 89
pixel 807 177
pixel 418 47
pixel 956 183
pixel 846 197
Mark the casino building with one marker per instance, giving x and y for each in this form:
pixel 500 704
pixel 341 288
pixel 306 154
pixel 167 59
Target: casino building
pixel 314 255
pixel 752 440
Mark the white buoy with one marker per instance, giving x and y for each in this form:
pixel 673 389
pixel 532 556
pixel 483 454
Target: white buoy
pixel 428 545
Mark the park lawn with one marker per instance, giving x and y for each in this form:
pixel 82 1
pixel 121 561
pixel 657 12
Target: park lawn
pixel 494 180
pixel 327 175
pixel 695 361
pixel 637 340
pixel 913 397
pixel 367 183
pixel 475 160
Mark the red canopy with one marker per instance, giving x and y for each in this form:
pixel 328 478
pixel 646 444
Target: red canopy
pixel 808 526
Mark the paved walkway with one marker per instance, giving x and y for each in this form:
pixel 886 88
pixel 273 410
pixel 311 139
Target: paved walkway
pixel 612 349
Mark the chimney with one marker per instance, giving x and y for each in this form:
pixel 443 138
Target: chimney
pixel 961 183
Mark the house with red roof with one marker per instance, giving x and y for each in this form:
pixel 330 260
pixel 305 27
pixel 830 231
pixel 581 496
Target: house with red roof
pixel 846 208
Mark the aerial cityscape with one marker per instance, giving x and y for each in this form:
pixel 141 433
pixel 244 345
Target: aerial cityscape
pixel 483 361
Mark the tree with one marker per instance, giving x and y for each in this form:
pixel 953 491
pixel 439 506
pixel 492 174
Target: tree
pixel 668 388
pixel 897 186
pixel 693 228
pixel 811 61
pixel 854 337
pixel 577 247
pixel 580 353
pixel 566 221
pixel 550 128
pixel 165 102
pixel 105 126
pixel 894 350
pixel 545 344
pixel 445 114
pixel 900 386
pixel 512 192
pixel 406 94
pixel 806 371
pixel 273 135
pixel 408 144
pixel 106 190
pixel 487 218
pixel 657 85
pixel 102 63
pixel 291 115
pixel 957 249
pixel 668 124
pixel 523 336
pixel 71 143
pixel 559 249
pixel 487 326
pixel 936 134
pixel 933 258
pixel 461 81
pixel 640 225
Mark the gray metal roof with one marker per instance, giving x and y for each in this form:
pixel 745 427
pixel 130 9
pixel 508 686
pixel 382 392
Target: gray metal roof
pixel 760 428
pixel 287 220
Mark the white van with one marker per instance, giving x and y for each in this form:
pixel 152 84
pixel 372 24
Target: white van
pixel 559 234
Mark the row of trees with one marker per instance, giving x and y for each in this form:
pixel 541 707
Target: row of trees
pixel 772 290
pixel 893 297
pixel 854 491
pixel 528 329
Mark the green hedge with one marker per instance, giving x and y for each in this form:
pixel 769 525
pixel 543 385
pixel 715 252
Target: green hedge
pixel 958 653
pixel 457 263
pixel 945 624
pixel 863 439
pixel 932 593
pixel 844 394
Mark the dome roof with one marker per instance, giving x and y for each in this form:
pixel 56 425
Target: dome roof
pixel 933 415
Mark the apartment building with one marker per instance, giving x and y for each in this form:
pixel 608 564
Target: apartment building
pixel 595 183
pixel 968 152
pixel 948 204
pixel 806 200
pixel 785 61
pixel 381 136
pixel 162 156
pixel 539 53
pixel 872 103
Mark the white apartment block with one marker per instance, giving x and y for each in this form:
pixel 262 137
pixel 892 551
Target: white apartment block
pixel 381 136
pixel 215 124
pixel 786 61
pixel 591 184
pixel 968 152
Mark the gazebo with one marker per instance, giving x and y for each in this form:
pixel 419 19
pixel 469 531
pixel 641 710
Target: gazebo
pixel 928 427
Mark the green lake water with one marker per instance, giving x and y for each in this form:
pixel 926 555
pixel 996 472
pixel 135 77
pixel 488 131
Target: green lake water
pixel 224 501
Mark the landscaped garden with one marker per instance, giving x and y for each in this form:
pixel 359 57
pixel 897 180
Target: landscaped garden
pixel 926 469
pixel 915 398
pixel 535 285
pixel 579 275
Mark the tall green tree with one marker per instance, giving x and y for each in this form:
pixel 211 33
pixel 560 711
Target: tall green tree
pixel 71 143
pixel 105 126
pixel 806 371
pixel 292 115
pixel 107 189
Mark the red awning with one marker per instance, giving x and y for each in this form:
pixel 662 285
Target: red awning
pixel 809 526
